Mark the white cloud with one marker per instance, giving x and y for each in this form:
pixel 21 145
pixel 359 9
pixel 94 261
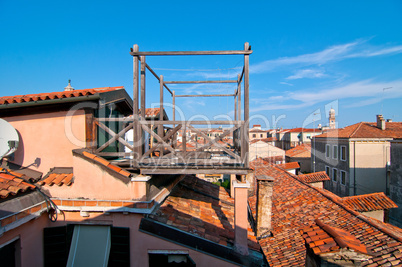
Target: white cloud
pixel 365 92
pixel 307 73
pixel 285 83
pixel 334 53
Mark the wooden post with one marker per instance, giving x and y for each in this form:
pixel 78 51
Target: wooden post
pixel 160 127
pixel 174 114
pixel 235 107
pixel 137 126
pixel 239 100
pixel 143 143
pixel 245 144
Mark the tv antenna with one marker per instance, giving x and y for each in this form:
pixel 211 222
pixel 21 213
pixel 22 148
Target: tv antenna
pixel 9 139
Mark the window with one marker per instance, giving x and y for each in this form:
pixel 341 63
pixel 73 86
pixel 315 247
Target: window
pixel 327 171
pixel 343 153
pixel 260 135
pixel 253 135
pixel 327 151
pixel 334 174
pixel 169 258
pixel 335 152
pixel 343 177
pixel 10 253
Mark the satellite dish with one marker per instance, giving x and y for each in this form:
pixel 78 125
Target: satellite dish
pixel 9 139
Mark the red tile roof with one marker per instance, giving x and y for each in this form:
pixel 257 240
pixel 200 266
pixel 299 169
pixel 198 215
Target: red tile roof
pixel 201 208
pixel 57 179
pixel 323 238
pixel 12 183
pixel 289 165
pixel 302 130
pixel 55 95
pixel 266 140
pixel 104 162
pixel 301 151
pixel 313 177
pixel 297 205
pixel 366 130
pixel 369 202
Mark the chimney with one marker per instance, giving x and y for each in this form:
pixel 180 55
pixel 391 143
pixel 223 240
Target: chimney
pixel 389 120
pixel 241 216
pixel 257 126
pixel 68 87
pixel 380 122
pixel 264 205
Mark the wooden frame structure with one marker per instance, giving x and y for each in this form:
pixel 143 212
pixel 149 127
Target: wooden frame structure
pixel 170 158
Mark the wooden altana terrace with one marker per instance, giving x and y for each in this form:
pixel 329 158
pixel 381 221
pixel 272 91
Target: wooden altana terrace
pixel 165 156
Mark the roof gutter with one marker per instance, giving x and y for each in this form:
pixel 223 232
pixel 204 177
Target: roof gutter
pixel 51 101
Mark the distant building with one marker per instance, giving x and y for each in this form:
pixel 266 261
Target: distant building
pixel 302 155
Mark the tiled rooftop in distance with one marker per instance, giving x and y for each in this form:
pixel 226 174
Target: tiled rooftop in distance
pixel 289 165
pixel 369 202
pixel 203 209
pixel 297 205
pixel 12 183
pixel 313 177
pixel 266 140
pixel 301 151
pixel 366 130
pixel 55 95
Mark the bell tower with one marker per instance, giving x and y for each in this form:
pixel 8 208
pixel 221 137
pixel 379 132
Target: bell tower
pixel 332 124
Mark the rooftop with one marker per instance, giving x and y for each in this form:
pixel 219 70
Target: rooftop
pixel 297 205
pixel 369 202
pixel 313 177
pixel 303 150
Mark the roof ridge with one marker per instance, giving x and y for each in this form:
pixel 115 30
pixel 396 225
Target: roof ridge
pixel 358 127
pixel 357 214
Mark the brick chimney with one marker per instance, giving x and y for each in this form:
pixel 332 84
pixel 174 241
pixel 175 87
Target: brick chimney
pixel 264 205
pixel 380 122
pixel 241 216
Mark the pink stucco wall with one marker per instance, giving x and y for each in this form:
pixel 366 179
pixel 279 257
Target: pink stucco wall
pixel 46 140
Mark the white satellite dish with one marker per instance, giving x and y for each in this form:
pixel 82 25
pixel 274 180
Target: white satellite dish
pixel 9 139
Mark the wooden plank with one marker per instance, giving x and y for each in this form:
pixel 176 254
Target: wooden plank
pixel 240 78
pixel 157 77
pixel 114 154
pixel 112 133
pixel 157 137
pixel 191 53
pixel 114 138
pixel 160 127
pixel 143 86
pixel 182 170
pixel 137 133
pixel 246 107
pixel 205 95
pixel 165 138
pixel 188 82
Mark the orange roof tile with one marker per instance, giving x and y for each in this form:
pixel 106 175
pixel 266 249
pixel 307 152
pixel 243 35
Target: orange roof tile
pixel 296 205
pixel 313 177
pixel 304 130
pixel 289 165
pixel 105 163
pixel 55 95
pixel 57 179
pixel 323 238
pixel 203 209
pixel 301 151
pixel 369 202
pixel 12 184
pixel 266 140
pixel 366 130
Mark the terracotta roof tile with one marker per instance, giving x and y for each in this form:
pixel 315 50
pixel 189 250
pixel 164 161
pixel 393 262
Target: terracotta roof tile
pixel 369 202
pixel 289 165
pixel 301 151
pixel 366 130
pixel 11 184
pixel 304 130
pixel 58 179
pixel 201 208
pixel 105 163
pixel 55 95
pixel 314 177
pixel 266 140
pixel 296 206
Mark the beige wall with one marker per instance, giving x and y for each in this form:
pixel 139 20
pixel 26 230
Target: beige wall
pixel 264 150
pixel 45 139
pixel 377 214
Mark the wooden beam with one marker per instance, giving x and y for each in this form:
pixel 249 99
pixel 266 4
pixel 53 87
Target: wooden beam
pixel 143 86
pixel 157 137
pixel 137 130
pixel 188 82
pixel 154 122
pixel 205 95
pixel 244 147
pixel 165 138
pixel 190 53
pixel 112 133
pixel 157 77
pixel 161 113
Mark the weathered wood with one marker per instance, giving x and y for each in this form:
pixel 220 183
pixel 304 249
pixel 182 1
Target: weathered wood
pixel 188 82
pixel 157 122
pixel 114 154
pixel 157 77
pixel 205 95
pixel 158 138
pixel 165 138
pixel 190 53
pixel 184 139
pixel 246 107
pixel 143 86
pixel 137 130
pixel 239 101
pixel 182 170
pixel 114 138
pixel 90 130
pixel 240 78
pixel 112 133
pixel 160 127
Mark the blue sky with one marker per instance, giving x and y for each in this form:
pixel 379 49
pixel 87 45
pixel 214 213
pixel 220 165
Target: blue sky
pixel 308 56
